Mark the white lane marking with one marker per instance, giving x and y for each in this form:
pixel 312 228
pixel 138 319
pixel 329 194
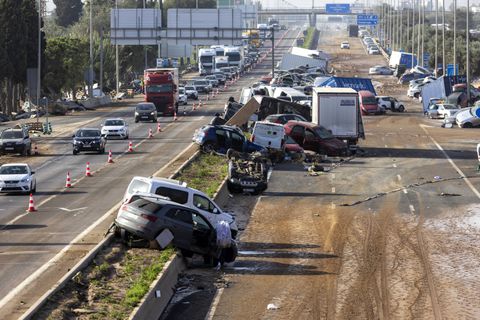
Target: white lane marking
pixel 399 177
pixel 467 181
pixel 333 175
pixel 332 205
pixel 386 146
pixel 333 189
pixel 405 191
pixel 10 253
pixel 394 165
pixel 216 301
pixel 73 210
pixel 412 209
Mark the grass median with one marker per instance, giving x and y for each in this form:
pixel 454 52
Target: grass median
pixel 119 277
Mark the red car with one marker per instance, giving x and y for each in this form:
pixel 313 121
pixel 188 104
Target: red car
pixel 315 138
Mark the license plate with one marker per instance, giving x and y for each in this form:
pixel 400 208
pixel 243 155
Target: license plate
pixel 8 148
pixel 144 117
pixel 248 190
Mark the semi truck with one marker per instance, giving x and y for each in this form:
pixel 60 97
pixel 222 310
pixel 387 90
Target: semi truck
pixel 338 110
pixel 409 60
pixel 221 62
pixel 161 88
pixel 352 30
pixel 235 57
pixel 205 60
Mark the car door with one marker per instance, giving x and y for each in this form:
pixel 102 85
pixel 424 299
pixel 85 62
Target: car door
pixel 180 222
pixel 441 111
pixel 433 111
pixel 311 141
pixel 203 239
pixel 298 134
pixel 237 142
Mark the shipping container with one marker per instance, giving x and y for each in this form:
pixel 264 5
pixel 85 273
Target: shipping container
pixel 355 83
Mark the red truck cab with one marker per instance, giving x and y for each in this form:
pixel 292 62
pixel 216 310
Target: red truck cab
pixel 161 88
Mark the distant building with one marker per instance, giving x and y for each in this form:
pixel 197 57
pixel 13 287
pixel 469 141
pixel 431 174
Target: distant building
pixel 475 9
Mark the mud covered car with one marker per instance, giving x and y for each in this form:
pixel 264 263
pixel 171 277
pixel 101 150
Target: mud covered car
pixel 247 173
pixel 156 222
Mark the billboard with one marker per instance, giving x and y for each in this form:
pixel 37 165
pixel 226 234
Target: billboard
pixel 204 26
pixel 337 8
pixel 134 26
pixel 367 19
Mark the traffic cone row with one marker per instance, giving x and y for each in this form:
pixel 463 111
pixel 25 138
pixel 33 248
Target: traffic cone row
pixel 110 159
pixel 200 103
pixel 194 106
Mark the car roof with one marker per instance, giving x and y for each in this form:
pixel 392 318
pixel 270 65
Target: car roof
pixel 303 123
pixel 14 164
pixel 114 119
pixel 96 129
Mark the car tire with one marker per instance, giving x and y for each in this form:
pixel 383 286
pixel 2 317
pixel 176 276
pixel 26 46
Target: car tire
pixel 195 98
pixel 24 151
pixel 416 95
pixel 136 120
pixel 101 151
pixel 208 147
pixel 75 152
pixel 467 125
pixel 34 189
pixel 233 188
pixel 401 108
pixel 126 137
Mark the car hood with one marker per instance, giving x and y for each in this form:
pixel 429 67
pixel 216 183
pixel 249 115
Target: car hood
pixel 113 127
pixel 86 138
pixel 12 140
pixel 464 115
pixel 12 177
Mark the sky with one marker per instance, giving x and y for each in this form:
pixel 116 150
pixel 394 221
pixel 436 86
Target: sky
pixel 308 3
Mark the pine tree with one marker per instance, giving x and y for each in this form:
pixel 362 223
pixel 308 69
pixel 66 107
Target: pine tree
pixel 67 11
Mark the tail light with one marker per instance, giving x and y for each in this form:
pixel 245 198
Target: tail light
pixel 252 138
pixel 148 217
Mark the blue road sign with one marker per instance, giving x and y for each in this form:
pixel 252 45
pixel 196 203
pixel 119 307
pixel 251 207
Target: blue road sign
pixel 339 8
pixel 367 19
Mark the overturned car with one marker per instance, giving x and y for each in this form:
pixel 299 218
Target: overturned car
pixel 247 173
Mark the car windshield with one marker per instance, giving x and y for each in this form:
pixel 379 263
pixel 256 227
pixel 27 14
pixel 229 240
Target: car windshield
pixel 201 83
pixel 190 88
pixel 88 133
pixel 145 107
pixel 13 170
pixel 450 106
pixel 11 134
pixel 323 133
pixel 159 88
pixel 114 123
pixel 181 91
pixel 369 100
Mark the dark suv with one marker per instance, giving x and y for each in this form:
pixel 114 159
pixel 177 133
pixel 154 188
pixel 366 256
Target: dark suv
pixel 15 141
pixel 88 139
pixel 148 218
pixel 145 111
pixel 220 138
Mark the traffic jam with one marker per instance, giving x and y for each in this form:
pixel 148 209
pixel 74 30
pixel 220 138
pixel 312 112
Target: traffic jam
pixel 307 112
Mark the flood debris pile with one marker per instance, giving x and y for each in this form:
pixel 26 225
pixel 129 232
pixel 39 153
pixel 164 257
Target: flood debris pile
pixel 247 172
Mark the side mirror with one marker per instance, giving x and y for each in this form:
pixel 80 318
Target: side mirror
pixel 32 172
pixel 73 136
pixel 215 210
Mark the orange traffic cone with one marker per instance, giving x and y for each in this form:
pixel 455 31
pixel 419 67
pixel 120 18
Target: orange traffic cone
pixel 31 204
pixel 159 128
pixel 110 159
pixel 150 133
pixel 174 116
pixel 200 104
pixel 194 107
pixel 130 146
pixel 68 183
pixel 87 170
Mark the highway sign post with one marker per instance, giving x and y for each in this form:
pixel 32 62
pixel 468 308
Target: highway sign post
pixel 367 19
pixel 337 8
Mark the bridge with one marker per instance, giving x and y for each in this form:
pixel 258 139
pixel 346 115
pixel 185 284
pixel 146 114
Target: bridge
pixel 310 12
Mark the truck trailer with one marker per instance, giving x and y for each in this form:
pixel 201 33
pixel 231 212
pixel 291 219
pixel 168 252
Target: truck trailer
pixel 161 88
pixel 338 110
pixel 409 60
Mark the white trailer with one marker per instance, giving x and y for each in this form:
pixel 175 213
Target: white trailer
pixel 290 61
pixel 235 57
pixel 337 109
pixel 221 62
pixel 205 61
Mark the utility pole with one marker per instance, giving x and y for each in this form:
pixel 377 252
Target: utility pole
pixel 419 31
pixel 39 55
pixel 423 32
pixel 455 37
pixel 401 24
pixel 117 68
pixel 101 62
pixel 443 37
pixel 90 71
pixel 436 38
pixel 413 30
pixel 408 26
pixel 468 51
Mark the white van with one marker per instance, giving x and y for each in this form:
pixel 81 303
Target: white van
pixel 178 191
pixel 269 135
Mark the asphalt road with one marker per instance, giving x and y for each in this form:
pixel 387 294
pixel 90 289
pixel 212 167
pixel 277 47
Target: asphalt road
pixel 31 243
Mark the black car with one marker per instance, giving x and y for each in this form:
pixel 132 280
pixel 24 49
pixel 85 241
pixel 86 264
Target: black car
pixel 145 111
pixel 15 141
pixel 88 139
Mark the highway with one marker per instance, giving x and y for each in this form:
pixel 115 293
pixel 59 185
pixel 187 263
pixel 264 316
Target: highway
pixel 38 248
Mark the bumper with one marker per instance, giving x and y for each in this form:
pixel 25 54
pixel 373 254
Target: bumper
pixel 118 134
pixel 91 147
pixel 145 118
pixel 247 185
pixel 12 149
pixel 15 187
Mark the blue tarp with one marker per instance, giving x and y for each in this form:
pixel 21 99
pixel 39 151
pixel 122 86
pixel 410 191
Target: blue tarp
pixel 356 84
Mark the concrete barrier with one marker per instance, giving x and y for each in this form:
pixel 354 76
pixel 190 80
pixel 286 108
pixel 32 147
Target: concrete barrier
pixel 96 102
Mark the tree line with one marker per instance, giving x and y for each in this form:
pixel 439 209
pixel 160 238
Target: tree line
pixel 65 47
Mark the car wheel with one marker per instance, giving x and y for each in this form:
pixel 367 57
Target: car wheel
pixel 101 151
pixel 24 152
pixel 29 151
pixel 233 188
pixel 416 95
pixel 467 125
pixel 34 189
pixel 195 98
pixel 75 152
pixel 401 108
pixel 126 137
pixel 208 147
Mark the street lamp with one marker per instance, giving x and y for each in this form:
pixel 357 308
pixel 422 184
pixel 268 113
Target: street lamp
pixel 90 71
pixel 468 51
pixel 443 36
pixel 39 55
pixel 436 38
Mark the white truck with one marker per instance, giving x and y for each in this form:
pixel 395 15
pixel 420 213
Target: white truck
pixel 235 57
pixel 338 110
pixel 205 61
pixel 221 62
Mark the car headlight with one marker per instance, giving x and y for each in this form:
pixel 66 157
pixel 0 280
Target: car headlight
pixel 24 180
pixel 136 113
pixel 77 142
pixel 152 113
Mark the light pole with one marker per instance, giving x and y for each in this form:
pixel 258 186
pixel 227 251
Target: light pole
pixel 419 31
pixel 436 38
pixel 117 68
pixel 90 71
pixel 443 37
pixel 39 54
pixel 413 30
pixel 401 24
pixel 455 37
pixel 468 51
pixel 423 33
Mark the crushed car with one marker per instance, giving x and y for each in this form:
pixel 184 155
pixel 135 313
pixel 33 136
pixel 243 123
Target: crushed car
pixel 247 172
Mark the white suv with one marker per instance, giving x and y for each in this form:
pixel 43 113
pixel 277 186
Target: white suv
pixel 178 192
pixel 115 128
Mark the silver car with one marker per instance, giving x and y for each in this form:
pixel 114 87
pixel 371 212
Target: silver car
pixel 468 118
pixel 17 177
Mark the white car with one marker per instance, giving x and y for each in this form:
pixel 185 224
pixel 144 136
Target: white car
pixel 468 117
pixel 180 193
pixel 191 92
pixel 182 96
pixel 116 127
pixel 390 103
pixel 269 135
pixel 17 177
pixel 345 45
pixel 416 91
pixel 373 50
pixel 442 110
pixel 383 70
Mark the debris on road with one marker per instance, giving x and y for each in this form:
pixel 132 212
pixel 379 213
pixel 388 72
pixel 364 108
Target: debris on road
pixel 247 173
